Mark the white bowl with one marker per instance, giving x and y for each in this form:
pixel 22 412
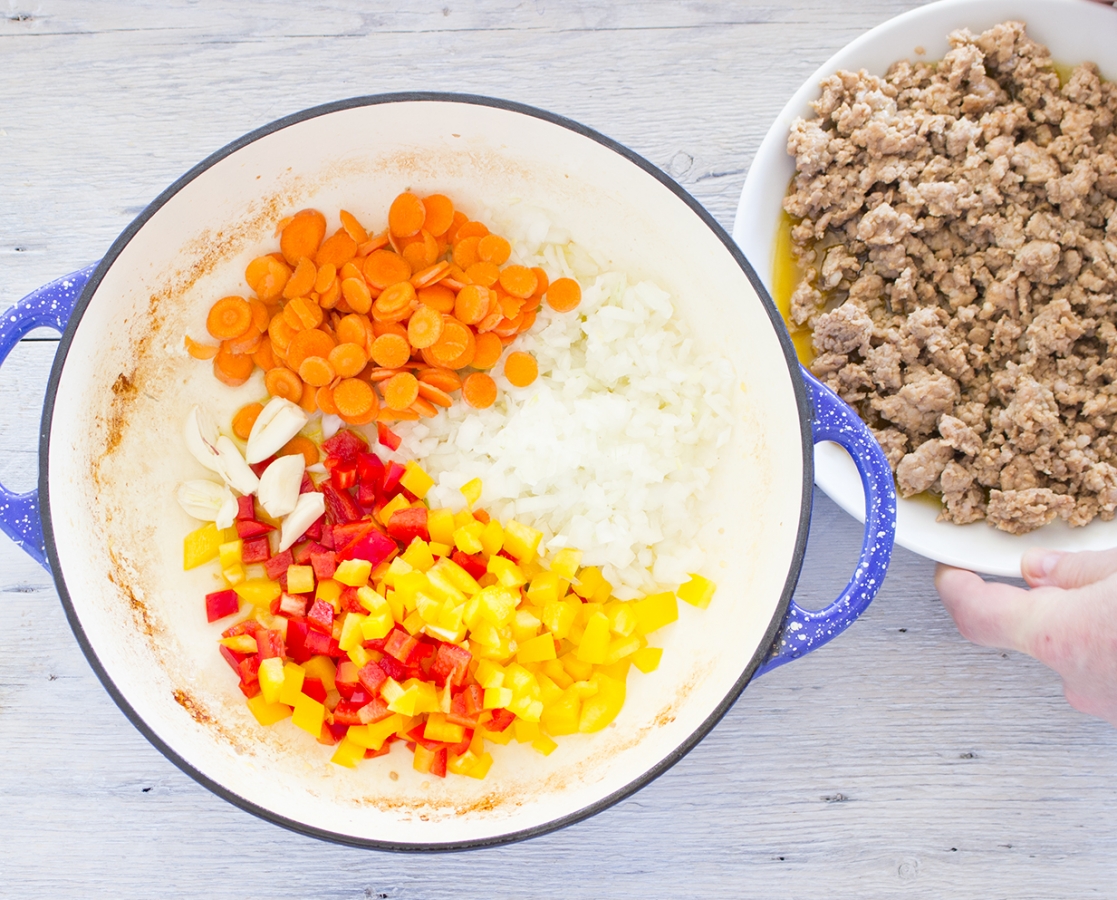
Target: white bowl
pixel 1075 31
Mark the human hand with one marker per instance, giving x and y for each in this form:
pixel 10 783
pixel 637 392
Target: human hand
pixel 1068 620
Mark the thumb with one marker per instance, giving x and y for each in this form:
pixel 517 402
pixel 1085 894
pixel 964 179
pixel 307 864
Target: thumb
pixel 1053 568
pixel 988 613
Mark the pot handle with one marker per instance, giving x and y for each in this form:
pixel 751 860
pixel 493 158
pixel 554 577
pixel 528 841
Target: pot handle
pixel 804 630
pixel 48 307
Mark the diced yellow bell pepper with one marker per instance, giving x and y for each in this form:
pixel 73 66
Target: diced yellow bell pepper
pixel 562 717
pixel 423 759
pixel 234 575
pixel 496 698
pixel 398 502
pixel 536 649
pixel 322 668
pixel 549 691
pixel 622 617
pixel 309 715
pixel 267 713
pixel 448 571
pixel 439 550
pixel 438 729
pixel 329 591
pixel 300 579
pixel 359 656
pixel 416 480
pixel 471 490
pixel 351 635
pixel 560 615
pixel 258 591
pixel 565 563
pixel 647 659
pixel 554 669
pixel 521 541
pixel 544 745
pixel 397 567
pixel 697 592
pixel 467 538
pixel 600 709
pixel 271 678
pixel 525 732
pixel 348 753
pixel 200 546
pixel 496 737
pixel 577 669
pixel 230 553
pixel 240 643
pixel 655 611
pixel 293 676
pixel 588 581
pixel 594 646
pixel 418 555
pixel 507 573
pixel 492 538
pixel 543 589
pixel 525 624
pixel 489 674
pixel 440 524
pixel 353 572
pixel 623 647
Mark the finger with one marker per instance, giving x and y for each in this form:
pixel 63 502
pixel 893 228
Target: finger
pixel 1093 705
pixel 1052 568
pixel 987 613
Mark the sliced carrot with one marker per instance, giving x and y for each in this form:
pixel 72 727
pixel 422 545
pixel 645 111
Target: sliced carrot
pixel 390 351
pixel 439 214
pixel 352 227
pixel 282 382
pixel 308 400
pixel 424 408
pixel 451 344
pixel 281 333
pixel 316 371
pixel 303 445
pixel 302 236
pixel 465 251
pixel 446 380
pixel 395 303
pixel 400 391
pixel 430 275
pixel 327 275
pixel 479 390
pixel 508 328
pixel 373 243
pixel 433 395
pixel 520 368
pixel 528 319
pixel 377 374
pixel 379 328
pixel 302 279
pixel 264 357
pixel 247 344
pixel 483 273
pixel 471 229
pixel 491 321
pixel 311 342
pixel 458 220
pixel 244 418
pixel 267 276
pixel 229 317
pixel 393 415
pixel 406 215
pixel 421 252
pixel 232 369
pixel 336 250
pixel 353 397
pixel 495 249
pixel 351 329
pixel 330 297
pixel 438 297
pixel 564 294
pixel 350 270
pixel 324 397
pixel 511 306
pixel 348 359
pixel 488 351
pixel 261 315
pixel 519 281
pixel 200 351
pixel 384 267
pixel 357 295
pixel 465 358
pixel 472 304
pixel 302 313
pixel 424 327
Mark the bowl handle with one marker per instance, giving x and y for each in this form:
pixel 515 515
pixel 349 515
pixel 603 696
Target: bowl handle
pixel 48 307
pixel 804 630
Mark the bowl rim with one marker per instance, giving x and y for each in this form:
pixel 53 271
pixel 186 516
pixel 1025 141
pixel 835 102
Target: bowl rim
pixel 803 409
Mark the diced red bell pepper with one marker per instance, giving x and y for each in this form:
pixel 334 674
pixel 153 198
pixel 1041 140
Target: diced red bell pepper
pixel 321 617
pixel 400 644
pixel 349 601
pixel 231 657
pixel 460 748
pixel 249 690
pixel 316 643
pixel 332 732
pixel 220 604
pixel 314 689
pixel 344 475
pixel 371 676
pixel 422 650
pixel 370 475
pixel 407 524
pixel 270 643
pixel 416 735
pixel 323 561
pixel 301 553
pixel 277 565
pixel 375 546
pixel 360 696
pixel 474 699
pixel 393 668
pixel 344 446
pixel 345 713
pixel 472 563
pixel 451 662
pixel 249 669
pixel 340 505
pixel 246 507
pixel 297 630
pixel 376 644
pixel 248 626
pixel 260 467
pixel 314 532
pixel 250 528
pixel 346 679
pixel 387 437
pixel 256 550
pixel 384 750
pixel 326 534
pixel 373 711
pixel 438 764
pixel 291 605
pixel 307 486
pixel 458 715
pixel 392 475
pixel 502 718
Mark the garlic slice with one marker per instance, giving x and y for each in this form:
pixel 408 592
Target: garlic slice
pixel 309 508
pixel 227 515
pixel 280 483
pixel 235 470
pixel 204 500
pixel 277 423
pixel 200 432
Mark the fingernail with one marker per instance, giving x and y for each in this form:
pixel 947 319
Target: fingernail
pixel 1037 565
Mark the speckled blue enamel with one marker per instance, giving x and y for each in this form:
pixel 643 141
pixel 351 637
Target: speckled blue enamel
pixel 48 307
pixel 804 630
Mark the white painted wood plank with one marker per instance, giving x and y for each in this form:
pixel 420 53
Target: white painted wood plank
pixel 897 761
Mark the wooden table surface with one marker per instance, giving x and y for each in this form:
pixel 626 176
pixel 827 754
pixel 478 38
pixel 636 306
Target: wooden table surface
pixel 897 761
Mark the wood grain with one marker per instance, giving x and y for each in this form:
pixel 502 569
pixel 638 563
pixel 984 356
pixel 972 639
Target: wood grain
pixel 897 761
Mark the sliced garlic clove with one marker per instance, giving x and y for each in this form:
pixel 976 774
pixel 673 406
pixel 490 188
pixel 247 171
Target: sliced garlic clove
pixel 236 472
pixel 308 510
pixel 277 423
pixel 280 483
pixel 227 515
pixel 204 499
pixel 200 432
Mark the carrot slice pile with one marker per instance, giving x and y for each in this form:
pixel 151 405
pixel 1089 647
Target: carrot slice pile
pixel 381 326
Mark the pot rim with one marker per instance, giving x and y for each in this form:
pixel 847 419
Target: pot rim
pixel 803 408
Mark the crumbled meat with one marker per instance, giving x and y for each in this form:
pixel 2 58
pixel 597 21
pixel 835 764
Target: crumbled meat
pixel 956 227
